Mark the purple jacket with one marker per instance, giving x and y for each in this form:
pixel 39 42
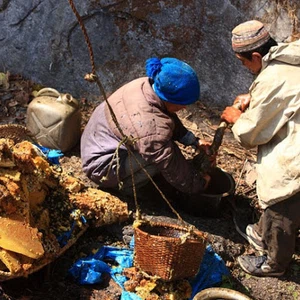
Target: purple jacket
pixel 142 115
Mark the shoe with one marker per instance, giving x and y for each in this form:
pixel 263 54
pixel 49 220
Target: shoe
pixel 254 238
pixel 257 266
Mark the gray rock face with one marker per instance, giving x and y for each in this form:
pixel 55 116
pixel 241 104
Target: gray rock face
pixel 42 40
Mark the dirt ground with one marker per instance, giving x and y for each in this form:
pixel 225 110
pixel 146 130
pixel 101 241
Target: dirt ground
pixel 52 282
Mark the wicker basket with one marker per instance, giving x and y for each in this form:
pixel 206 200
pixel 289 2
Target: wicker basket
pixel 168 250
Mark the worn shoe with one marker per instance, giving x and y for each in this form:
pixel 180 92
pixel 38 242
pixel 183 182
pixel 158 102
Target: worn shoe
pixel 258 266
pixel 254 238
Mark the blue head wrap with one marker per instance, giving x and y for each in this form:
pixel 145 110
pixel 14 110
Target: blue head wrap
pixel 174 80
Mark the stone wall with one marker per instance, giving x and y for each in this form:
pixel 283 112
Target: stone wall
pixel 42 40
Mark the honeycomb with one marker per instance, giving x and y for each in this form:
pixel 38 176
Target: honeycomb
pixel 44 210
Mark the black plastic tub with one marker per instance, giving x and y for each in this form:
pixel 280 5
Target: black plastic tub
pixel 209 203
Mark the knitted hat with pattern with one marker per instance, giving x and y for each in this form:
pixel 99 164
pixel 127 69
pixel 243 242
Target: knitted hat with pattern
pixel 249 36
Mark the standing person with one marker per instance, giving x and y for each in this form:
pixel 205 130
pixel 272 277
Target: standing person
pixel 269 118
pixel 145 109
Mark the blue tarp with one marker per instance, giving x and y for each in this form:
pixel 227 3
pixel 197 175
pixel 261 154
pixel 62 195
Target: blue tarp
pixel 89 270
pixel 51 154
pixel 211 271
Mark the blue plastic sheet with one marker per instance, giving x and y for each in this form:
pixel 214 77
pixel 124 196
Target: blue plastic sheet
pixel 89 270
pixel 64 238
pixel 211 271
pixel 51 154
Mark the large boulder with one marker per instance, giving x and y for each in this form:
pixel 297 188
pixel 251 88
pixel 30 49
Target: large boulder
pixel 43 41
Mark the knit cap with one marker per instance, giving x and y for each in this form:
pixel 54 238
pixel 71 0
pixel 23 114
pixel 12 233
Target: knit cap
pixel 249 36
pixel 174 80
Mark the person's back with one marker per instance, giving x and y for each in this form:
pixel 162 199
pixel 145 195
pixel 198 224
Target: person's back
pixel 145 112
pixel 140 115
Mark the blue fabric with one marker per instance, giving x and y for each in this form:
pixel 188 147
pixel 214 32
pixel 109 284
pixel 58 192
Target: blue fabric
pixel 90 269
pixel 174 80
pixel 189 139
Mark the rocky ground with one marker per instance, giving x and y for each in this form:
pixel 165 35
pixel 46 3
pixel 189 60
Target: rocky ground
pixel 52 282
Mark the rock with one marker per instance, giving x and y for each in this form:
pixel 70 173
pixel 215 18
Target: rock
pixel 43 41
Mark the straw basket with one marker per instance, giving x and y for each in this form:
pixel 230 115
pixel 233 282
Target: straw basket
pixel 169 251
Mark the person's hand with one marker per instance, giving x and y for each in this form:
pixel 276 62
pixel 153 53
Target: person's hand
pixel 230 114
pixel 205 146
pixel 207 179
pixel 202 144
pixel 242 101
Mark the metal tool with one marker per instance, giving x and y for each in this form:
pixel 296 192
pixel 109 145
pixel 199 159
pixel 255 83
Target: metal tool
pixel 202 160
pixel 218 137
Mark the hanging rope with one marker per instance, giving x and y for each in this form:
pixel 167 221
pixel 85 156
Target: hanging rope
pixel 92 77
pixel 126 140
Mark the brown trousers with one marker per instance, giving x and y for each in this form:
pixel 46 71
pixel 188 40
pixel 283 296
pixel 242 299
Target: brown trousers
pixel 278 227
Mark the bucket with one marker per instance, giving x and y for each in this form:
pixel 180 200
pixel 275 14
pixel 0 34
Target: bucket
pixel 209 203
pixel 169 251
pixel 54 119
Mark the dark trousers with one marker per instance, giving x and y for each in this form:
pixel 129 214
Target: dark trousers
pixel 278 227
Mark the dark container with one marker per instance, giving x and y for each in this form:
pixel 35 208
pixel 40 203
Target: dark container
pixel 209 203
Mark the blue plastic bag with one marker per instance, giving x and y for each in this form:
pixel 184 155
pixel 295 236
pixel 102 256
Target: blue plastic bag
pixel 51 154
pixel 89 270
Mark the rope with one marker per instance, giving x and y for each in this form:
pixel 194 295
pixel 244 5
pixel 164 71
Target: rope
pixel 85 35
pixel 126 140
